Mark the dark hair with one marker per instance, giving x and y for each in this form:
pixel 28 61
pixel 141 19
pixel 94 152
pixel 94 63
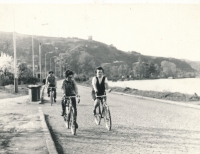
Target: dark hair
pixel 68 73
pixel 99 68
pixel 50 72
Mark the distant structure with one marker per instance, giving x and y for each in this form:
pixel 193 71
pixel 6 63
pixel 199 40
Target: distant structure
pixel 89 38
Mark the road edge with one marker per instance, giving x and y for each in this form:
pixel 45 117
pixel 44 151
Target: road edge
pixel 154 99
pixel 48 138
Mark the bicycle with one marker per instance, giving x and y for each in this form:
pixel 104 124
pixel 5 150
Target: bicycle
pixel 69 116
pixel 51 94
pixel 103 111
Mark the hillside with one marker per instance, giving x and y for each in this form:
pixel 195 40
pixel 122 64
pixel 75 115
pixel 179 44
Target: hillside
pixel 100 52
pixel 194 64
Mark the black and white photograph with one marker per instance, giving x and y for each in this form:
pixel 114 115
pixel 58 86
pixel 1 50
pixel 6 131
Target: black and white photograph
pixel 100 76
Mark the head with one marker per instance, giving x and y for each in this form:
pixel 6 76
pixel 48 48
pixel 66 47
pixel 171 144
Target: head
pixel 99 71
pixel 69 74
pixel 51 73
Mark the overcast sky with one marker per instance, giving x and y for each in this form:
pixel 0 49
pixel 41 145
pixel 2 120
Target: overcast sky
pixel 151 28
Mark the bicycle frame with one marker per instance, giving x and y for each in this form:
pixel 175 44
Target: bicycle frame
pixel 69 101
pixel 102 101
pixel 104 112
pixel 51 94
pixel 69 116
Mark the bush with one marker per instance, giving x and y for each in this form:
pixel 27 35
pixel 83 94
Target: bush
pixel 81 78
pixel 29 80
pixel 7 81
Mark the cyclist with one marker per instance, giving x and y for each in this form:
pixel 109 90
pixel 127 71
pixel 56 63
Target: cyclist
pixel 51 82
pixel 99 85
pixel 69 88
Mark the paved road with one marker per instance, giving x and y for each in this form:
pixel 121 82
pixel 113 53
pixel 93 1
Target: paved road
pixel 139 126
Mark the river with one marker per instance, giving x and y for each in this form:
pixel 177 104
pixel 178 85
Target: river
pixel 186 85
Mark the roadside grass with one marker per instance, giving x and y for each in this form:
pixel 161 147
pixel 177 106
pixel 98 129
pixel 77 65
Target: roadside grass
pixel 173 96
pixel 8 92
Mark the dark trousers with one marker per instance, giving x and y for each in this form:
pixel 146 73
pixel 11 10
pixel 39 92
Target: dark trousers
pixel 73 105
pixel 53 89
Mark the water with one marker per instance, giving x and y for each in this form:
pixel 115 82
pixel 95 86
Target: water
pixel 187 86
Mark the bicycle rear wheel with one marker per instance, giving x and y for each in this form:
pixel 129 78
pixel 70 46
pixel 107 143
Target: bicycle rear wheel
pixel 97 116
pixel 107 118
pixel 72 122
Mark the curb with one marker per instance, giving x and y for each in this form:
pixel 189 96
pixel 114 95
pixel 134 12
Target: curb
pixel 49 141
pixel 157 100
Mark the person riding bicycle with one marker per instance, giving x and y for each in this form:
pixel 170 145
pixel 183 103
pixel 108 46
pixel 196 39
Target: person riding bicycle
pixel 69 88
pixel 51 82
pixel 99 85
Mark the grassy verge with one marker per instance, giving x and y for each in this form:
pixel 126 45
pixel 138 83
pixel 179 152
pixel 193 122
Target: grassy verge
pixel 173 96
pixel 8 92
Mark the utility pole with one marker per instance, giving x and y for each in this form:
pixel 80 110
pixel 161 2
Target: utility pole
pixel 40 62
pixel 15 60
pixel 33 65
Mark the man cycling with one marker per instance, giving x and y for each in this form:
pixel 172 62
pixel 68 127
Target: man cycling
pixel 51 82
pixel 69 88
pixel 99 85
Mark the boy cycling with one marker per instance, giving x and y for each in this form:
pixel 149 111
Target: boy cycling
pixel 69 88
pixel 51 82
pixel 99 85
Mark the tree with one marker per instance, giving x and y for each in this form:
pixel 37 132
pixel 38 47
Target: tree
pixel 86 62
pixel 120 70
pixel 139 68
pixel 152 69
pixel 114 71
pixel 6 63
pixel 169 69
pixel 24 71
pixel 5 46
pixel 107 69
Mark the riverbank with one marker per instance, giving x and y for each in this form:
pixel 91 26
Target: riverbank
pixel 172 96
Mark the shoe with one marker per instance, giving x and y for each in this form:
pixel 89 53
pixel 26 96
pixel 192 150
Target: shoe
pixel 94 112
pixel 54 100
pixel 62 114
pixel 48 95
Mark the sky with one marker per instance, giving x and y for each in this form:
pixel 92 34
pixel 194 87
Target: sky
pixel 150 27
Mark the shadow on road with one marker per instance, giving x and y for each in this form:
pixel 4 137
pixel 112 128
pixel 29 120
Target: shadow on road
pixel 54 136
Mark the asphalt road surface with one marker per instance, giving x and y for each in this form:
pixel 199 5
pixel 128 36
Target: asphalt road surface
pixel 138 126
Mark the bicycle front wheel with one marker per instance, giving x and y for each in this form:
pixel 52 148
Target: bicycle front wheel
pixel 107 118
pixel 51 97
pixel 97 116
pixel 67 120
pixel 72 122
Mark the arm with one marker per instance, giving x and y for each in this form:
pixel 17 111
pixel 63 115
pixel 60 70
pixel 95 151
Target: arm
pixel 55 82
pixel 63 87
pixel 94 84
pixel 46 84
pixel 106 83
pixel 76 88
